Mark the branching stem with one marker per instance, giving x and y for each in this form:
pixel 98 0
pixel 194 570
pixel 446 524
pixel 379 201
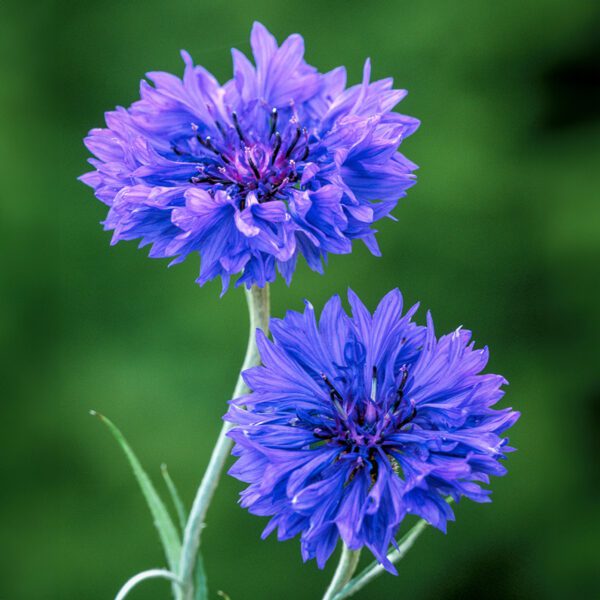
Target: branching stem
pixel 343 573
pixel 259 308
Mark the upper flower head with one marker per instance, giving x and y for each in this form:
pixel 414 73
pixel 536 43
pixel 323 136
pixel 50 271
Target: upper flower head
pixel 355 422
pixel 279 160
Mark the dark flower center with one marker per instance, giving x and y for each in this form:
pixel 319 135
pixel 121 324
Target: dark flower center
pixel 263 159
pixel 360 427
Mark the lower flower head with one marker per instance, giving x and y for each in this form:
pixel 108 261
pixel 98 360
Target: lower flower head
pixel 355 422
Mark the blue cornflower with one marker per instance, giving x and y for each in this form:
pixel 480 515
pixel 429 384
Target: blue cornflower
pixel 357 421
pixel 278 161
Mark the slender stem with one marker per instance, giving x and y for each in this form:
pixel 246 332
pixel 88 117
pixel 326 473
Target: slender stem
pixel 375 569
pixel 343 573
pixel 258 307
pixel 150 574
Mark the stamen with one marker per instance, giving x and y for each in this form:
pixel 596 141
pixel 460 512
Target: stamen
pixel 277 146
pixel 400 391
pixel 277 187
pixel 332 390
pixel 210 179
pixel 236 124
pixel 274 190
pixel 206 142
pixel 319 433
pixel 374 384
pixel 306 147
pixel 335 397
pixel 294 142
pixel 408 419
pixel 357 467
pixel 221 129
pixel 253 166
pixel 273 119
pixel 250 164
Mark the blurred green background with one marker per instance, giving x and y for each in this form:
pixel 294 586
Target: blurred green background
pixel 501 234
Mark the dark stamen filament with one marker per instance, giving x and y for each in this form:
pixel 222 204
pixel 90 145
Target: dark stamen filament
pixel 332 390
pixel 221 129
pixel 294 142
pixel 273 119
pixel 236 124
pixel 408 419
pixel 253 167
pixel 246 166
pixel 400 391
pixel 335 396
pixel 277 146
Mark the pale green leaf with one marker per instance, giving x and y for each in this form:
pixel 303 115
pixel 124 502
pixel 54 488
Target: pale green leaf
pixel 200 585
pixel 175 497
pixel 162 520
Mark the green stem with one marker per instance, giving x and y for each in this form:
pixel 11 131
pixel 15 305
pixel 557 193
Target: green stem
pixel 258 307
pixel 375 569
pixel 343 573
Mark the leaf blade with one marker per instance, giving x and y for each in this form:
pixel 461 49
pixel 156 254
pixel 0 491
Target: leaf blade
pixel 167 531
pixel 175 497
pixel 200 583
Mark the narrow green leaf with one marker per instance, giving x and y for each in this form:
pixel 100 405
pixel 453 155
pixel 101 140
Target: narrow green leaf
pixel 175 497
pixel 200 584
pixel 162 520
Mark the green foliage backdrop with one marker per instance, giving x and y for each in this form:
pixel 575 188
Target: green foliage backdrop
pixel 500 235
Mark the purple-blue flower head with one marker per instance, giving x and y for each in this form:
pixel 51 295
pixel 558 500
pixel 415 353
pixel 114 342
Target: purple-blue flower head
pixel 355 422
pixel 279 161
